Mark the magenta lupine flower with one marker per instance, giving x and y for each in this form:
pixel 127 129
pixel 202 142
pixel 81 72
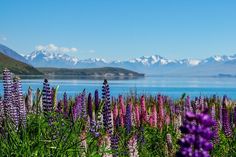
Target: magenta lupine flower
pixel 197 135
pixel 90 107
pixel 154 116
pixel 66 107
pixel 128 120
pixel 122 109
pixel 47 103
pixel 107 115
pixel 137 115
pixel 7 85
pixel 20 102
pixel 122 119
pixel 143 110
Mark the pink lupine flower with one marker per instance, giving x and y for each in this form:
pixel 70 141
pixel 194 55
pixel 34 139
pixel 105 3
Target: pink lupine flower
pixel 115 113
pixel 122 120
pixel 167 119
pixel 137 115
pixel 122 105
pixel 154 115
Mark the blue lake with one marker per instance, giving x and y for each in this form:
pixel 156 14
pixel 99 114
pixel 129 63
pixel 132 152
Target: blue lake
pixel 171 86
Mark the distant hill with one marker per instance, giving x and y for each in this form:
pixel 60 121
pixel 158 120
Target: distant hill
pixel 11 53
pixel 16 67
pixel 109 72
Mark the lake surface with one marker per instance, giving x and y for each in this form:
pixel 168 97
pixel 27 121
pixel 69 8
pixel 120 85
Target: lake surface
pixel 171 86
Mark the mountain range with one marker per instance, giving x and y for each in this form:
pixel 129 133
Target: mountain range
pixel 151 65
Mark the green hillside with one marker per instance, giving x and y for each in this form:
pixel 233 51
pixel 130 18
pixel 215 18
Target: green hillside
pixel 16 67
pixel 109 72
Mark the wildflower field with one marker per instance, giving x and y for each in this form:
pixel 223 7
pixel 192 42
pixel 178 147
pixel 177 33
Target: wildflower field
pixel 96 124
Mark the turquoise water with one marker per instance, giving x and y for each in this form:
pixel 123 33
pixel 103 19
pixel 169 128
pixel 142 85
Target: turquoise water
pixel 171 86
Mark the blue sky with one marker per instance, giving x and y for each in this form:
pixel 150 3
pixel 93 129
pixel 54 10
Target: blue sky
pixel 121 29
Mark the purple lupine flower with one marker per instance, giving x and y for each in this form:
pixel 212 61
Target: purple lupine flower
pixel 1 113
pixel 96 100
pixel 75 113
pixel 83 105
pixel 215 130
pixel 66 107
pixel 78 103
pixel 226 123
pixel 59 107
pixel 47 103
pixel 7 85
pixel 128 120
pixel 90 107
pixel 107 115
pixel 234 116
pixel 114 145
pixel 19 102
pixel 15 111
pixel 197 135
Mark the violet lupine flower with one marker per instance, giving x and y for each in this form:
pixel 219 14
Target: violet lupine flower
pixel 226 124
pixel 107 115
pixel 20 102
pixel 215 129
pixel 114 145
pixel 1 113
pixel 83 105
pixel 75 113
pixel 47 103
pixel 128 120
pixel 235 116
pixel 197 135
pixel 15 111
pixel 7 85
pixel 90 107
pixel 188 106
pixel 66 107
pixel 96 101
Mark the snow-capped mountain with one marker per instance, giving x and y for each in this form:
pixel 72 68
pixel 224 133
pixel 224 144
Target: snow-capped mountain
pixel 146 64
pixel 11 53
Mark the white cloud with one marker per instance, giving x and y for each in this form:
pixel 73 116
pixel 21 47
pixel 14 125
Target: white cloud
pixel 55 48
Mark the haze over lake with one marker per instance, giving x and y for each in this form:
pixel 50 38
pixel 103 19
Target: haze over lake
pixel 171 86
